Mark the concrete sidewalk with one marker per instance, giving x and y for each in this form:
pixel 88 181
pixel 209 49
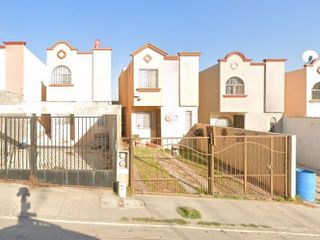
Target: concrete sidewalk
pixel 98 205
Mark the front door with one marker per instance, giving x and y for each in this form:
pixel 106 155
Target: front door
pixel 238 121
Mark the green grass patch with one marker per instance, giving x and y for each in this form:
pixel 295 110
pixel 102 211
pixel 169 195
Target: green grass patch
pixel 188 212
pixel 214 224
pixel 217 224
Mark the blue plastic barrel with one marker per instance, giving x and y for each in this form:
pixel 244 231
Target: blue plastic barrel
pixel 306 184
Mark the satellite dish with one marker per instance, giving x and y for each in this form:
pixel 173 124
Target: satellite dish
pixel 309 55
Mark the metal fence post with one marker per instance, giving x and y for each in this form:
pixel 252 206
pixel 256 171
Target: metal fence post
pixel 210 161
pixel 131 180
pixel 33 148
pixel 286 166
pixel 271 168
pixel 245 166
pixel 5 148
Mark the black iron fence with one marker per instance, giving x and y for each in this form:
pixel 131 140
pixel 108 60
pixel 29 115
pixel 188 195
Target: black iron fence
pixel 69 150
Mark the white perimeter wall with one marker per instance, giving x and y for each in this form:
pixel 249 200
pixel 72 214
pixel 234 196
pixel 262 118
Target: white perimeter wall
pixel 34 73
pixel 307 131
pixel 2 69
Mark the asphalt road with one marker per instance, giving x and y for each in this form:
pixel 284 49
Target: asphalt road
pixel 45 229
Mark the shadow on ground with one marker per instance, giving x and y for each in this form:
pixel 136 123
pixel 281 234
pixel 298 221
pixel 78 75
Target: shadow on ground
pixel 28 228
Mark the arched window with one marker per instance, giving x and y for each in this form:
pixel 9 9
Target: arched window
pixel 61 75
pixel 316 91
pixel 234 86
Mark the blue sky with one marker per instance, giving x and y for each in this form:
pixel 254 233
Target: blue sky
pixel 260 29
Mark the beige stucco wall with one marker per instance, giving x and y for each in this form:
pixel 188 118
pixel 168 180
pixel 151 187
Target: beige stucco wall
pixel 91 74
pixel 157 62
pixel 313 77
pixel 2 68
pixel 15 68
pixel 189 80
pixel 295 93
pixel 209 85
pixel 101 75
pixel 253 78
pixel 274 86
pixel 215 104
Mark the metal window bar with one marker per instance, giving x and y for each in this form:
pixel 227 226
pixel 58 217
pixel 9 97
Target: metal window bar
pixel 61 75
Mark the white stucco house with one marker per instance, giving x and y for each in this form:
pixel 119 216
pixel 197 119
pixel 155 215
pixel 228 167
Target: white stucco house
pixel 159 93
pixel 238 92
pixel 76 76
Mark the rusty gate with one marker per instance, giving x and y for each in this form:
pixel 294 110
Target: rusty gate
pixel 226 165
pixel 67 150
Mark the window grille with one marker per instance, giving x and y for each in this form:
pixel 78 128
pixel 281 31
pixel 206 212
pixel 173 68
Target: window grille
pixel 234 86
pixel 61 75
pixel 148 78
pixel 143 120
pixel 316 91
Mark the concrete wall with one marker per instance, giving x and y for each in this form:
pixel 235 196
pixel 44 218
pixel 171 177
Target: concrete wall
pixel 274 85
pixel 307 131
pixel 34 74
pixel 189 80
pixel 2 68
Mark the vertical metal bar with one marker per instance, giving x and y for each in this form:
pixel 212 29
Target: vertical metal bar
pixel 286 165
pixel 271 168
pixel 33 148
pixel 6 147
pixel 245 166
pixel 131 166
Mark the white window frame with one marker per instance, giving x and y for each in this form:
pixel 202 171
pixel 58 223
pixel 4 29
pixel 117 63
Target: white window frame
pixel 235 86
pixel 143 120
pixel 316 91
pixel 148 78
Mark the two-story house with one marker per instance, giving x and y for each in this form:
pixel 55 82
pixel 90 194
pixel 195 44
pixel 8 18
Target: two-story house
pixel 159 93
pixel 21 72
pixel 303 91
pixel 238 92
pixel 75 76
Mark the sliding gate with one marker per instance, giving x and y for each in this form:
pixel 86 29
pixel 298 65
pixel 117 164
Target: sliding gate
pixel 66 150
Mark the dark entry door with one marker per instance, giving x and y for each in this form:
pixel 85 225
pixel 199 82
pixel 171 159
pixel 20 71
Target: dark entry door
pixel 238 121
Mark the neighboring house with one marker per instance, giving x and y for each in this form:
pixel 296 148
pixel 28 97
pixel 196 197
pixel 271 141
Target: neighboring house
pixel 78 76
pixel 21 72
pixel 238 92
pixel 303 91
pixel 159 93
